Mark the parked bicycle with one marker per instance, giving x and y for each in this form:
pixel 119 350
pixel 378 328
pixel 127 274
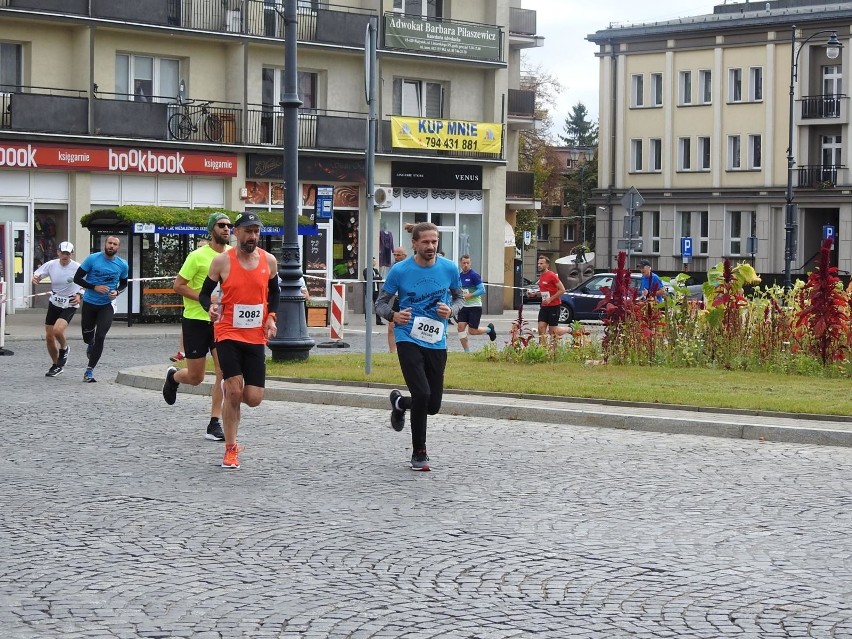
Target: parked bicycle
pixel 183 123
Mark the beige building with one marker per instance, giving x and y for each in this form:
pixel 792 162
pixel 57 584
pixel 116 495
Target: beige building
pixel 177 103
pixel 694 114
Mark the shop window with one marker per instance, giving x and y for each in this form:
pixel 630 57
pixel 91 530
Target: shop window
pixel 49 229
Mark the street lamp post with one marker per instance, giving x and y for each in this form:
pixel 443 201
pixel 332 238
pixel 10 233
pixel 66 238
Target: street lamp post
pixel 292 342
pixel 832 50
pixel 583 199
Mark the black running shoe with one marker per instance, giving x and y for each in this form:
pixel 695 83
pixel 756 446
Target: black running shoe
pixel 397 415
pixel 492 334
pixel 170 386
pixel 63 356
pixel 53 371
pixel 214 431
pixel 420 461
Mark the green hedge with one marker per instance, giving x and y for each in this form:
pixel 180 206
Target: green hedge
pixel 172 215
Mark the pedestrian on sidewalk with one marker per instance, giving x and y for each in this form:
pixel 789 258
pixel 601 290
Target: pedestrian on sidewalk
pixel 196 328
pixel 471 312
pixel 104 276
pixel 63 302
pixel 244 320
pixel 399 254
pixel 429 291
pixel 377 284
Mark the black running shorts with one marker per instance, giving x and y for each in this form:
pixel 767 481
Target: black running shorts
pixel 56 312
pixel 197 338
pixel 239 358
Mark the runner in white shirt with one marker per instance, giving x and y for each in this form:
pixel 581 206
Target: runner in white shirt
pixel 63 303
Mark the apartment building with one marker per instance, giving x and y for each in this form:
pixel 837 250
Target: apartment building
pixel 177 103
pixel 695 115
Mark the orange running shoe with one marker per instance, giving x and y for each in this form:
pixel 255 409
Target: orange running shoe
pixel 232 459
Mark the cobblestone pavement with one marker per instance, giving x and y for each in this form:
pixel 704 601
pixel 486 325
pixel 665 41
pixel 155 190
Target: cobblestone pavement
pixel 118 522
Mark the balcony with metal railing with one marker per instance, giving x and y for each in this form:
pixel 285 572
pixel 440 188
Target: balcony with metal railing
pixel 818 176
pixel 523 29
pixel 521 109
pixel 824 109
pixel 520 190
pixel 318 128
pixel 319 22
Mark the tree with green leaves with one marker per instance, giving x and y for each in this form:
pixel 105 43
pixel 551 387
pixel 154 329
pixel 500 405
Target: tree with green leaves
pixel 579 129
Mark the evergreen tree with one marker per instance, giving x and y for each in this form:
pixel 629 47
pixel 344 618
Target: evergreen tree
pixel 579 130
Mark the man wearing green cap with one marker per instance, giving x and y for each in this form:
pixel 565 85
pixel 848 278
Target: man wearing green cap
pixel 196 327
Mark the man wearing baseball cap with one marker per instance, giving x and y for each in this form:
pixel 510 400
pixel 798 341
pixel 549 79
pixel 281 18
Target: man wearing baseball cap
pixel 244 319
pixel 650 284
pixel 63 302
pixel 196 327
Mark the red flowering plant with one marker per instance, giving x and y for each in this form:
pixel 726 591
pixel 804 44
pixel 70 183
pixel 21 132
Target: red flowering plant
pixel 822 322
pixel 520 334
pixel 617 306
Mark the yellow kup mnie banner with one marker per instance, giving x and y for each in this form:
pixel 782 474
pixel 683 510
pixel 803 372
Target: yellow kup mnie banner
pixel 446 135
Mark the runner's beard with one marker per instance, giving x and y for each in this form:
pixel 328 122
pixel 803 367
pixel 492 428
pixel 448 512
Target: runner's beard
pixel 221 241
pixel 109 252
pixel 248 246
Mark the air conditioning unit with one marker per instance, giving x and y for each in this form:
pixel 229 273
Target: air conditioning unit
pixel 383 197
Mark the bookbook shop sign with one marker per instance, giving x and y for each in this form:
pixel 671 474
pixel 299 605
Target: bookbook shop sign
pixel 472 41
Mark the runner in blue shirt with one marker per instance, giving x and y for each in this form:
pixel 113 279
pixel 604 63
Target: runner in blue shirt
pixel 650 282
pixel 104 276
pixel 429 291
pixel 471 313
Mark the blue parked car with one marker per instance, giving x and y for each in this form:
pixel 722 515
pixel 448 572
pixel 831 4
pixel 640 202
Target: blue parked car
pixel 581 303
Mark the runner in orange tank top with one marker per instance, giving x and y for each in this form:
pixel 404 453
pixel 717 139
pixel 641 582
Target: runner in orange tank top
pixel 244 319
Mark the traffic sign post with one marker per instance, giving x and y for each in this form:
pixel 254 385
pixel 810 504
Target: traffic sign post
pixel 631 201
pixel 686 249
pixel 830 233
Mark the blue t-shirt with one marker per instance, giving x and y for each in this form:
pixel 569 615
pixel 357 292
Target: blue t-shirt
pixel 646 284
pixel 102 270
pixel 420 288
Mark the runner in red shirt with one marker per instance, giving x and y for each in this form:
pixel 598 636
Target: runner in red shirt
pixel 550 289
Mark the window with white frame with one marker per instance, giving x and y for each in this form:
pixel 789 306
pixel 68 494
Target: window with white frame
pixel 637 90
pixel 832 79
pixel 703 232
pixel 684 154
pixel 755 161
pixel 11 67
pixel 654 231
pixel 418 98
pixel 734 152
pixel 145 78
pixel 272 88
pixel 655 162
pixel 705 86
pixel 704 149
pixel 685 87
pixel 741 224
pixel 423 8
pixel 636 155
pixel 735 85
pixel 656 89
pixel 694 224
pixel 755 84
pixel 570 232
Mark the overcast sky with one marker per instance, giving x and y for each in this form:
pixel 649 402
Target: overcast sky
pixel 570 57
